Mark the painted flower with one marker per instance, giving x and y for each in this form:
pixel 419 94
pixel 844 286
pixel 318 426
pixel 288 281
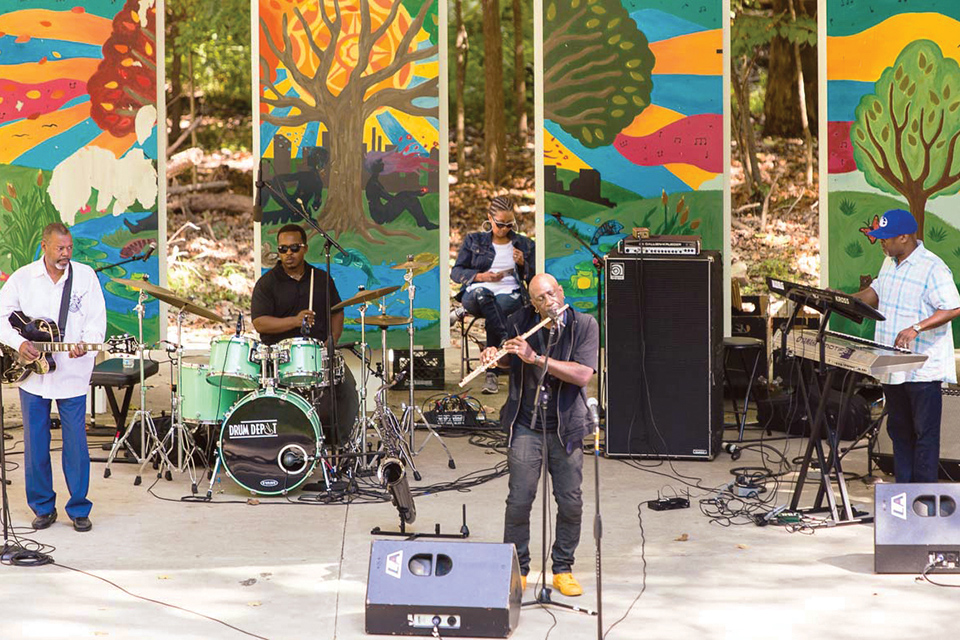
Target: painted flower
pixel 12 190
pixel 6 203
pixel 39 178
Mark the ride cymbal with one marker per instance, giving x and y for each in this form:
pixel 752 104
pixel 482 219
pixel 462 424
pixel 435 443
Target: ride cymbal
pixel 170 298
pixel 365 296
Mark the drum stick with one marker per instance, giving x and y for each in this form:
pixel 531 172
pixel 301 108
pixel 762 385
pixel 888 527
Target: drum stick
pixel 310 305
pixel 503 352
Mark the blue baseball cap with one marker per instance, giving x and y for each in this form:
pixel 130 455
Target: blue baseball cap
pixel 893 223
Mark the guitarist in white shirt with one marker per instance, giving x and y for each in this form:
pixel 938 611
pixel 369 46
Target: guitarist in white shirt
pixel 36 291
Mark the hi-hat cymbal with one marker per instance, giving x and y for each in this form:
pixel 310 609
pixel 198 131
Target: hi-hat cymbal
pixel 170 298
pixel 411 264
pixel 365 296
pixel 386 321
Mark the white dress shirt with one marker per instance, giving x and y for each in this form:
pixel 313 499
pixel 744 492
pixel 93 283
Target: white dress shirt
pixel 32 291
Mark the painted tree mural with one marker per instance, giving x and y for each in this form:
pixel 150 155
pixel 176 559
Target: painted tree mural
pixel 348 60
pixel 597 69
pixel 906 133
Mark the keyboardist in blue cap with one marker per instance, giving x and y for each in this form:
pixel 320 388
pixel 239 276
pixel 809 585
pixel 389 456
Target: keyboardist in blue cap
pixel 916 293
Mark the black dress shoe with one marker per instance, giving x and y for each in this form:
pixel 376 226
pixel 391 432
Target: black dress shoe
pixel 82 524
pixel 44 521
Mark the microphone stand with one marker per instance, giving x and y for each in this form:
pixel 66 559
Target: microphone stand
pixel 10 548
pixel 598 266
pixel 597 522
pixel 329 242
pixel 543 595
pixel 143 255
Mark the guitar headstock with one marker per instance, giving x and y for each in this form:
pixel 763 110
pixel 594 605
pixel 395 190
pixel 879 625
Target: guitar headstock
pixel 124 343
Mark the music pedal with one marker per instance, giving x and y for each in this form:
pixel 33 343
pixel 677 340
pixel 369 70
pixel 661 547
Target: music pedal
pixel 668 504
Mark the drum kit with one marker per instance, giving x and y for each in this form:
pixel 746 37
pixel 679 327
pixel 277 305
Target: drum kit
pixel 258 403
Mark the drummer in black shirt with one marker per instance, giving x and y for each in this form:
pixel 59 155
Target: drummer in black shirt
pixel 281 309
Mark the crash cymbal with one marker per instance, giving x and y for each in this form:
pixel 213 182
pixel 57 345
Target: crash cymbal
pixel 386 321
pixel 365 296
pixel 169 297
pixel 410 264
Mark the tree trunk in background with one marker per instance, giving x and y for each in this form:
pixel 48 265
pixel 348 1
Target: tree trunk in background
pixel 802 101
pixel 519 71
pixel 463 48
pixel 175 109
pixel 780 114
pixel 494 129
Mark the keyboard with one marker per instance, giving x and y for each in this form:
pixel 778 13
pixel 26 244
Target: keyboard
pixel 851 353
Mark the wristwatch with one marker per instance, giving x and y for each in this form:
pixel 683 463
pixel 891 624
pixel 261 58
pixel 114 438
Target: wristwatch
pixel 917 328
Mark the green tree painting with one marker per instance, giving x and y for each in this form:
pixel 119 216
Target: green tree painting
pixel 598 69
pixel 906 133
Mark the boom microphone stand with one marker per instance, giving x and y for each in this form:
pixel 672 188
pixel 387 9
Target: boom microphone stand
pixel 598 266
pixel 330 242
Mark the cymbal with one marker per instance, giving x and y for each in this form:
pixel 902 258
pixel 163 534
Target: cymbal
pixel 386 321
pixel 169 297
pixel 365 296
pixel 411 264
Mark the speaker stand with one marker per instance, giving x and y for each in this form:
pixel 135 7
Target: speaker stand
pixel 403 533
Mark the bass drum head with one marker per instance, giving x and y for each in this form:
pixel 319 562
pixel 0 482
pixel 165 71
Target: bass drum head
pixel 259 430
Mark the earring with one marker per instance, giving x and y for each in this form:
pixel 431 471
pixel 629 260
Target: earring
pixel 486 227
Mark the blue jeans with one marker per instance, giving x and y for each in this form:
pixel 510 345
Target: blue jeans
pixel 494 310
pixel 38 470
pixel 566 471
pixel 913 421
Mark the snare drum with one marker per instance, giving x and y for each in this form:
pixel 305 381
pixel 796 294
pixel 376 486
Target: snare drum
pixel 303 364
pixel 202 403
pixel 270 441
pixel 232 365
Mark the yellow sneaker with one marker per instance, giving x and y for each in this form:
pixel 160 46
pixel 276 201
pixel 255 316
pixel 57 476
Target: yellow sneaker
pixel 523 583
pixel 566 584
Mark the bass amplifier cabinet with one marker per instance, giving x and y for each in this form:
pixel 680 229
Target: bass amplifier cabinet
pixel 664 344
pixel 916 525
pixel 458 588
pixel 949 439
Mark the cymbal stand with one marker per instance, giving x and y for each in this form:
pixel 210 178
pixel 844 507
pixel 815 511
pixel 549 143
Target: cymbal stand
pixel 142 415
pixel 179 435
pixel 409 418
pixel 364 422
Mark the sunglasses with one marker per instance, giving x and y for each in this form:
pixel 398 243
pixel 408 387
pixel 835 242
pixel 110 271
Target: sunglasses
pixel 282 248
pixel 504 225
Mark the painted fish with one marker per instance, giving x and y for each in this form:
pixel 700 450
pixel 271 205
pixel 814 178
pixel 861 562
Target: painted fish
pixel 608 228
pixel 355 258
pixel 134 247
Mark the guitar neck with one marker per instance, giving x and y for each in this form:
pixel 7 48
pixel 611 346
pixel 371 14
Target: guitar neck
pixel 54 347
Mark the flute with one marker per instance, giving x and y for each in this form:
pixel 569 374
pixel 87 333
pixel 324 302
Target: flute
pixel 502 352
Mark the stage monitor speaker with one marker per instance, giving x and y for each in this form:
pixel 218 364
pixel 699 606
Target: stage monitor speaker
pixel 949 439
pixel 916 525
pixel 664 337
pixel 459 588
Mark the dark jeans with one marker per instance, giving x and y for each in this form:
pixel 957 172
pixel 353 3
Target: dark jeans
pixel 494 310
pixel 913 422
pixel 566 471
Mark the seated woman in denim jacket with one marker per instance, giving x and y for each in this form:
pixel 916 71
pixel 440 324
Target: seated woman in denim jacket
pixel 495 267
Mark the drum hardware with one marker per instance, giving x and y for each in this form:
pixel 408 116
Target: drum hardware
pixel 409 418
pixel 142 415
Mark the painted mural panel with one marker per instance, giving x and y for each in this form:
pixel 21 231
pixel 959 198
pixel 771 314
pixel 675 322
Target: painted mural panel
pixel 349 132
pixel 633 118
pixel 78 139
pixel 893 131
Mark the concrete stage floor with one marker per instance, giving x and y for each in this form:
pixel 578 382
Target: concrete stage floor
pixel 285 569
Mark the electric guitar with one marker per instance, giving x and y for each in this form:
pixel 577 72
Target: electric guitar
pixel 45 336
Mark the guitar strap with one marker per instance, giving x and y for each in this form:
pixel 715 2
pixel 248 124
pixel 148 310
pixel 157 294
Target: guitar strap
pixel 65 304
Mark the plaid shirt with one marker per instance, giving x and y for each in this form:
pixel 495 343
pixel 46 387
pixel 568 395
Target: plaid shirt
pixel 911 292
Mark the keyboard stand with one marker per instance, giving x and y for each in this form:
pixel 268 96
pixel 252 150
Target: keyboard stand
pixel 829 460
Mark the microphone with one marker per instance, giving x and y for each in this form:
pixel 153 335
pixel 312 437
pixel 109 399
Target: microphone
pixel 149 251
pixel 593 406
pixel 239 323
pixel 733 449
pixel 556 316
pixel 304 329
